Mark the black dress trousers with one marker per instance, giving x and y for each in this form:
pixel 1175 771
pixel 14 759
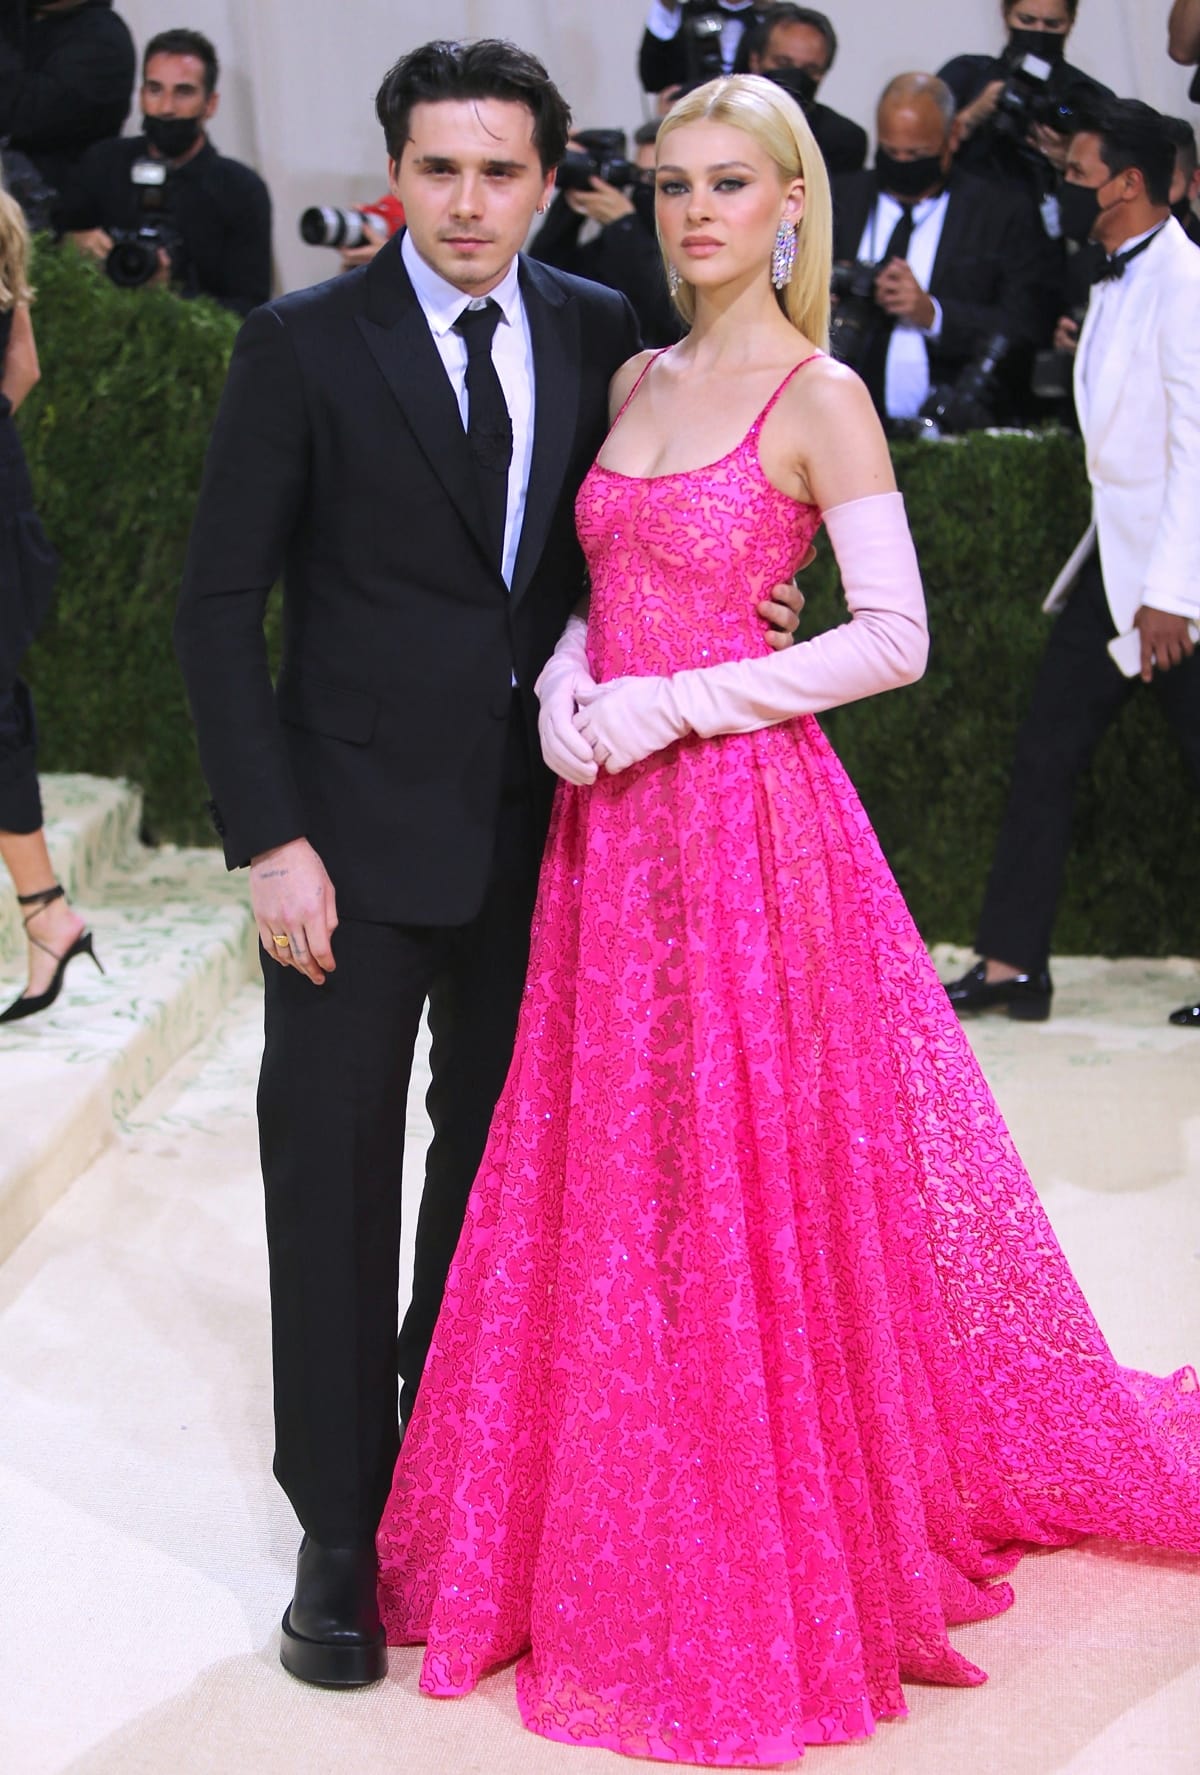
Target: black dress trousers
pixel 332 1112
pixel 1077 693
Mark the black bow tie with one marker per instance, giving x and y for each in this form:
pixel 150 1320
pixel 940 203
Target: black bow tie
pixel 1109 270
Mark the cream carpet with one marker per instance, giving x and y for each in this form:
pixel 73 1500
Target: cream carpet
pixel 146 1555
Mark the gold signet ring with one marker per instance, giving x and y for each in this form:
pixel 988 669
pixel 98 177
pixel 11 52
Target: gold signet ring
pixel 283 942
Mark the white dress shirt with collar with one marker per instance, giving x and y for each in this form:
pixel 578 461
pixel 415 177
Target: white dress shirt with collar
pixel 512 354
pixel 663 22
pixel 906 384
pixel 1106 301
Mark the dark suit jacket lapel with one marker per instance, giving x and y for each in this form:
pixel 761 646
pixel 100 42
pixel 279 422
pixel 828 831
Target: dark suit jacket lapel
pixel 955 224
pixel 398 338
pixel 854 197
pixel 554 332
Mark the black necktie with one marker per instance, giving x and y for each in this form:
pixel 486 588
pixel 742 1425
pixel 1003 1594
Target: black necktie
pixel 1109 270
pixel 489 428
pixel 874 365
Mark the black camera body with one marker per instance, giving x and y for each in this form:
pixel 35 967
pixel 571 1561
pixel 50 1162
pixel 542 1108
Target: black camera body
pixel 967 404
pixel 1030 96
pixel 701 26
pixel 600 155
pixel 133 257
pixel 133 260
pixel 1053 376
pixel 856 312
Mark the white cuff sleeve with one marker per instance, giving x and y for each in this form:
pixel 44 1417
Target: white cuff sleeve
pixel 935 331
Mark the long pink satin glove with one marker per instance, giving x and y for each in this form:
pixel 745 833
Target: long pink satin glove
pixel 565 674
pixel 885 645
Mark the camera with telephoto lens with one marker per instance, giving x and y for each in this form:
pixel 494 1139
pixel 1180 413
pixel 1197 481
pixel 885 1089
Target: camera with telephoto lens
pixel 600 155
pixel 856 313
pixel 1029 96
pixel 134 256
pixel 332 227
pixel 967 404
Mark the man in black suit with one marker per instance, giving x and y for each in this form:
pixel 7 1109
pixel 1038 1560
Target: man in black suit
pixel 796 46
pixel 404 444
pixel 958 262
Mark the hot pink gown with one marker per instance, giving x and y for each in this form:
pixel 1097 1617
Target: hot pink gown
pixel 759 1360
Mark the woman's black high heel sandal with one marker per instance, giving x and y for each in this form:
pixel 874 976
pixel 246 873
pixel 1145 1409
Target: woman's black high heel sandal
pixel 31 1003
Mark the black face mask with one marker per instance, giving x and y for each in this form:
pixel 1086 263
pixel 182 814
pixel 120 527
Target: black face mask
pixel 1079 210
pixel 172 137
pixel 1049 46
pixel 908 178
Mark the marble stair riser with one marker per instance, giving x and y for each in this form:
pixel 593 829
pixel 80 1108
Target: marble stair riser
pixel 92 826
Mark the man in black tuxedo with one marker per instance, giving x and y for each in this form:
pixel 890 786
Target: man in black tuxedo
pixel 959 261
pixel 404 444
pixel 796 46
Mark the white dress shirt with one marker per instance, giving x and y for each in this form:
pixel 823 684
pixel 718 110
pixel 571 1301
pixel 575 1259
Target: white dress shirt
pixel 906 382
pixel 512 354
pixel 1105 303
pixel 663 22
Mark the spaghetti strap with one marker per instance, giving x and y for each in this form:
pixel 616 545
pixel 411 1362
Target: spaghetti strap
pixel 758 423
pixel 641 377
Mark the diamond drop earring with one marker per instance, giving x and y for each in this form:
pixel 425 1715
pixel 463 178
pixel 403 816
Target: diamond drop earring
pixel 784 256
pixel 673 280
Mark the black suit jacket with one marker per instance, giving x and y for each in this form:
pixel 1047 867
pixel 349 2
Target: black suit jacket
pixel 339 458
pixel 989 271
pixel 842 142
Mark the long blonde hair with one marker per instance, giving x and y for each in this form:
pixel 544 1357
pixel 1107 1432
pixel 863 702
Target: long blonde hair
pixel 763 111
pixel 14 253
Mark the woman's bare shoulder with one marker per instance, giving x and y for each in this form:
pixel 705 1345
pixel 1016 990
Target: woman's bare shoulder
pixel 840 451
pixel 621 386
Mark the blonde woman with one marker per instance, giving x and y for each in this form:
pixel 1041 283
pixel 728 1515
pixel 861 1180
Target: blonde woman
pixel 55 933
pixel 758 1357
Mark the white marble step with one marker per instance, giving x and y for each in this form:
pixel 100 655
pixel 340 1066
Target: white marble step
pixel 174 933
pixel 92 825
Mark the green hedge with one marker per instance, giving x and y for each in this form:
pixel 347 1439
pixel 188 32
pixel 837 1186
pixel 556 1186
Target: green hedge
pixel 116 436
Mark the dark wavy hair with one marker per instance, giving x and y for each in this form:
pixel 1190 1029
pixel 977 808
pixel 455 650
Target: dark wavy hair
pixel 1134 135
pixel 759 35
pixel 183 42
pixel 486 69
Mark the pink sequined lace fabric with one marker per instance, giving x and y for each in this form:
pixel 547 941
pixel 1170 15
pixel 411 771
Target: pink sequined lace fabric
pixel 759 1360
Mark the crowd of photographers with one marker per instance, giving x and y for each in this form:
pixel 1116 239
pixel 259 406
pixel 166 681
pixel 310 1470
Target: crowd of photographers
pixel 962 263
pixel 158 209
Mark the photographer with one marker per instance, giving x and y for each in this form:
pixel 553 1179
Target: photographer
pixel 622 251
pixel 66 78
pixel 204 221
pixel 947 262
pixel 796 46
pixel 1016 116
pixel 688 41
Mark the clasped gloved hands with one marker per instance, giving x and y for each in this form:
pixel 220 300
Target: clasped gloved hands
pixel 886 645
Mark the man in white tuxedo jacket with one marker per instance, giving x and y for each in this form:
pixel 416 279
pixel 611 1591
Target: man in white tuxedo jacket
pixel 1128 599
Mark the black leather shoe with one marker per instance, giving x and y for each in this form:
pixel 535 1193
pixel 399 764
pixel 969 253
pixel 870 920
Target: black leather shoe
pixel 332 1634
pixel 1026 996
pixel 1186 1017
